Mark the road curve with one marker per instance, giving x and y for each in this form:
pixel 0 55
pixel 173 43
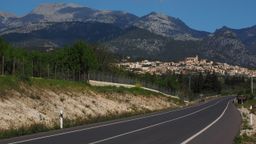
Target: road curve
pixel 216 121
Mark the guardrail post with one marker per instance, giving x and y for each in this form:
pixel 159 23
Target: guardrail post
pixel 61 119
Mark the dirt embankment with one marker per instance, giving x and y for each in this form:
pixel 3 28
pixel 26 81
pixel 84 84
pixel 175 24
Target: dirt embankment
pixel 30 104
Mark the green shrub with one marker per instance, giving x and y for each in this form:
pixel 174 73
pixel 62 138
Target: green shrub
pixel 244 139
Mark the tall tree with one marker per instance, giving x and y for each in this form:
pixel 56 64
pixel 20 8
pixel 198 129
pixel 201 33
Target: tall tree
pixel 81 59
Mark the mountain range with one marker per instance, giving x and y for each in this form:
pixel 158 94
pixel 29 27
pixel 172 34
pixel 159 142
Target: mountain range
pixel 153 36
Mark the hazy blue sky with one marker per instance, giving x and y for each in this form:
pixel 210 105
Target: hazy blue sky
pixel 205 15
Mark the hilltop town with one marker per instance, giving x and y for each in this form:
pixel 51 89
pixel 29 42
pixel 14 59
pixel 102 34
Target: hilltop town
pixel 189 65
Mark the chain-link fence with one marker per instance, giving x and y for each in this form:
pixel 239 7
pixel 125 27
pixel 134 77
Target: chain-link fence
pixel 115 78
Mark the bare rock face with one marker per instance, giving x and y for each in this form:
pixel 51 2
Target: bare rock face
pixel 248 37
pixel 60 12
pixel 225 46
pixel 168 26
pixel 4 19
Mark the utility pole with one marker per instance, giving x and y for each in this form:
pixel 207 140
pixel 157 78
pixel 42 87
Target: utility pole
pixel 13 66
pixel 40 68
pixel 48 71
pixel 23 66
pixel 2 65
pixel 32 68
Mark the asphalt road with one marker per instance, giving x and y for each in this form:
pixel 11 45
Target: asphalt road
pixel 213 122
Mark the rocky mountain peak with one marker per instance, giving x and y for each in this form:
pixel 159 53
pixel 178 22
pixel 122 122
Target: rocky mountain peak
pixel 4 18
pixel 155 15
pixel 225 32
pixel 157 23
pixel 159 17
pixel 168 26
pixel 7 15
pixel 48 9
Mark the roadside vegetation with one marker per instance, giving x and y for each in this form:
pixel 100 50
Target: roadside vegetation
pixel 13 82
pixel 244 138
pixel 247 133
pixel 249 103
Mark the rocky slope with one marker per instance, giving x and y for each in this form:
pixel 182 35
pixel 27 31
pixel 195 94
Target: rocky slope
pixel 247 36
pixel 41 102
pixel 139 43
pixel 225 46
pixel 4 18
pixel 56 35
pixel 136 43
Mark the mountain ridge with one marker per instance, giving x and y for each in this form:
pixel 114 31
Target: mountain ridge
pixel 153 36
pixel 168 26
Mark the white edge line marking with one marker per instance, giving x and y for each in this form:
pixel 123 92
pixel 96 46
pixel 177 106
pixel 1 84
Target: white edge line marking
pixel 151 126
pixel 109 124
pixel 207 127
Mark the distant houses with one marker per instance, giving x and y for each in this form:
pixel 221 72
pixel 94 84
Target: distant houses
pixel 190 64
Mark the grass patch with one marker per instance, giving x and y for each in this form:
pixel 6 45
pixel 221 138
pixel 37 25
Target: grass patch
pixel 8 82
pixel 51 83
pixel 12 82
pixel 248 103
pixel 34 128
pixel 245 139
pixel 82 121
